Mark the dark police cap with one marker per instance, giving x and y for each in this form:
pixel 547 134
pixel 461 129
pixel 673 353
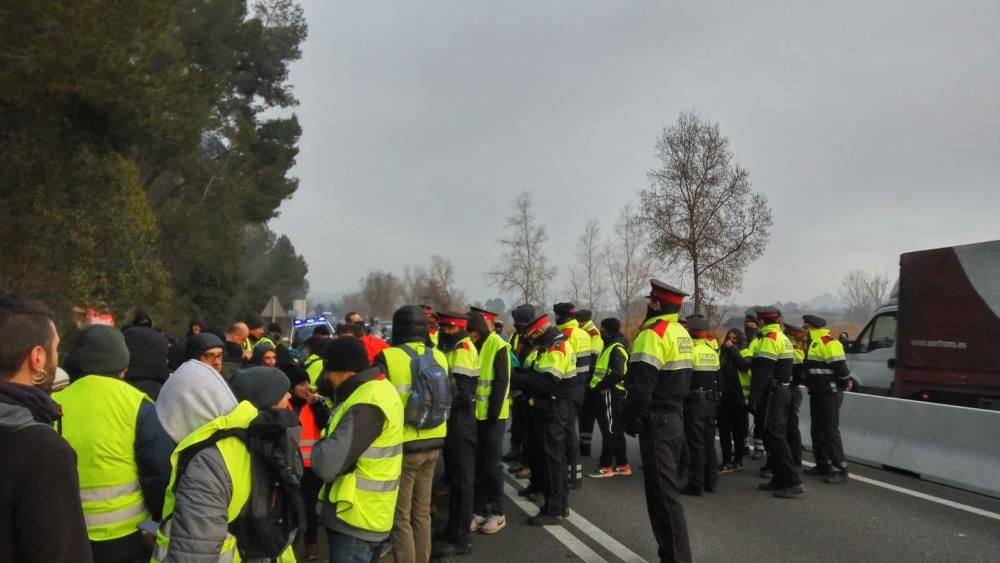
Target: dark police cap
pixel 488 315
pixel 563 309
pixel 666 292
pixel 814 321
pixel 697 323
pixel 769 313
pixel 584 316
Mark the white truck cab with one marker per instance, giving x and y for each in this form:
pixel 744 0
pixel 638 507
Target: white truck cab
pixel 872 355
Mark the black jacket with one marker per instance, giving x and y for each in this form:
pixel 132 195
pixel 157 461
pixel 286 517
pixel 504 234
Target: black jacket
pixel 147 364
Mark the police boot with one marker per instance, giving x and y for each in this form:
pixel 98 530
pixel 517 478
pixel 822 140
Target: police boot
pixel 691 489
pixel 836 478
pixel 769 486
pixel 795 491
pixel 817 470
pixel 543 519
pixel 444 549
pixel 766 473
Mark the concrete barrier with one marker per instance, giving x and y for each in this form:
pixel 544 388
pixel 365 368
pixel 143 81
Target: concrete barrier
pixel 956 446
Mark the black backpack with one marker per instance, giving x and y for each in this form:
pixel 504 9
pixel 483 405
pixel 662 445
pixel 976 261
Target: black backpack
pixel 430 391
pixel 274 512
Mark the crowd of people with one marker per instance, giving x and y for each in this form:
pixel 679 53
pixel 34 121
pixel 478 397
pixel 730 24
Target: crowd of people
pixel 237 448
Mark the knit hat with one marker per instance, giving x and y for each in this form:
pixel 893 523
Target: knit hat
pixel 564 312
pixel 478 324
pixel 147 350
pixel 612 325
pixel 100 349
pixel 409 324
pixel 262 386
pixel 296 375
pixel 523 315
pixel 254 320
pixel 584 316
pixel 198 344
pixel 348 354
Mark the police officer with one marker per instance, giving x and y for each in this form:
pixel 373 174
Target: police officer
pixel 549 381
pixel 827 377
pixel 699 412
pixel 771 401
pixel 520 410
pixel 659 376
pixel 798 337
pixel 593 401
pixel 460 443
pixel 579 341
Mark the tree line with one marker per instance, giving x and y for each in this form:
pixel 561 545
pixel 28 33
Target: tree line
pixel 143 157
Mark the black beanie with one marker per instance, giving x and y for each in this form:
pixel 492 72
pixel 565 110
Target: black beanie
pixel 478 324
pixel 409 324
pixel 296 375
pixel 347 354
pixel 198 344
pixel 523 315
pixel 262 386
pixel 254 320
pixel 564 312
pixel 584 316
pixel 612 325
pixel 99 350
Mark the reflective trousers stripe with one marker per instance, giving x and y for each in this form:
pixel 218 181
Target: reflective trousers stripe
pixel 114 516
pixel 97 494
pixel 364 484
pixel 821 371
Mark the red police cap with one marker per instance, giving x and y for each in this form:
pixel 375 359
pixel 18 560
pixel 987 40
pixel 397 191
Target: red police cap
pixel 538 323
pixel 666 292
pixel 488 315
pixel 449 318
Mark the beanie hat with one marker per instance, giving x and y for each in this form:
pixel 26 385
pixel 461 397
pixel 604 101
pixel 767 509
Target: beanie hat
pixel 523 315
pixel 564 311
pixel 147 350
pixel 296 375
pixel 262 386
pixel 478 324
pixel 198 344
pixel 409 324
pixel 101 350
pixel 584 316
pixel 254 320
pixel 348 354
pixel 612 325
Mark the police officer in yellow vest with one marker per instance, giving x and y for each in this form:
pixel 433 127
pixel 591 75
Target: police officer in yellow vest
pixel 700 411
pixel 799 338
pixel 827 377
pixel 608 382
pixel 460 443
pixel 659 376
pixel 411 532
pixel 593 400
pixel 519 454
pixel 549 380
pixel 492 412
pixel 579 341
pixel 771 402
pixel 361 456
pixel 123 453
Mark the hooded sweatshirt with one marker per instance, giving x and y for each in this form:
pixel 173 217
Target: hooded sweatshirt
pixel 37 480
pixel 147 364
pixel 194 395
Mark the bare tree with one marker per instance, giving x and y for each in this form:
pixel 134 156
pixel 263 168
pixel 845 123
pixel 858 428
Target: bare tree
pixel 434 286
pixel 587 275
pixel 381 293
pixel 523 270
pixel 629 264
pixel 700 211
pixel 863 292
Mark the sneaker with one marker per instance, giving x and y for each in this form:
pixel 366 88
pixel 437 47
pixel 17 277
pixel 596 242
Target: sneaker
pixel 795 491
pixel 524 473
pixel 738 466
pixel 477 522
pixel 494 524
pixel 623 470
pixel 602 473
pixel 514 467
pixel 725 468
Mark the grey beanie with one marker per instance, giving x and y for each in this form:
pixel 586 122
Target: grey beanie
pixel 262 386
pixel 99 350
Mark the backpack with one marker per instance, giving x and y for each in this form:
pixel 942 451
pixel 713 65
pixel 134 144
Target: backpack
pixel 268 523
pixel 430 391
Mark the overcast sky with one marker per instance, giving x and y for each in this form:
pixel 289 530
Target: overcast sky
pixel 872 127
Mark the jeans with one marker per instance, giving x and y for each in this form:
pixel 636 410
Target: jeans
pixel 349 549
pixel 411 527
pixel 489 476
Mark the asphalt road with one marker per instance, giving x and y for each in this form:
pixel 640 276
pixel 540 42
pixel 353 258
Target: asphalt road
pixel 864 520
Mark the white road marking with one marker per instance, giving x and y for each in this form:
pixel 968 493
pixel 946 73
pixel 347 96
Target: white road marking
pixel 614 546
pixel 571 543
pixel 919 495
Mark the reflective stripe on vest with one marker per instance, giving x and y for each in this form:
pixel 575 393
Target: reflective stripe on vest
pixel 366 497
pixel 99 421
pixel 603 362
pixel 492 346
pixel 236 458
pixel 399 374
pixel 310 433
pixel 464 359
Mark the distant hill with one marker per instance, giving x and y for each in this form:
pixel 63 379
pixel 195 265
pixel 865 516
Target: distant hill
pixel 825 302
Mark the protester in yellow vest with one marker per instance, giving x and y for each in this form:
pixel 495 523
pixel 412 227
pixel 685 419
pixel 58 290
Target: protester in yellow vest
pixel 122 451
pixel 411 533
pixel 608 383
pixel 360 459
pixel 492 412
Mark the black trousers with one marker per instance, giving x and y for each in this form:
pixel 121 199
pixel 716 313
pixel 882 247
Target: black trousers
pixel 574 467
pixel 460 467
pixel 129 549
pixel 792 429
pixel 699 434
pixel 309 490
pixel 489 476
pixel 827 445
pixel 593 403
pixel 536 448
pixel 610 421
pixel 520 431
pixel 733 427
pixel 556 435
pixel 659 446
pixel 779 455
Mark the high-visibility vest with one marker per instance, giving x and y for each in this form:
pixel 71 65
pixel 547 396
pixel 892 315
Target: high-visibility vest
pixel 99 421
pixel 596 342
pixel 366 497
pixel 666 345
pixel 314 367
pixel 265 340
pixel 824 351
pixel 310 433
pixel 744 375
pixel 236 458
pixel 493 345
pixel 704 364
pixel 603 362
pixel 433 335
pixel 400 375
pixel 580 346
pixel 463 359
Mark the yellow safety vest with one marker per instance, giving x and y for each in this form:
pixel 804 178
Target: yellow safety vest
pixel 578 341
pixel 666 345
pixel 603 361
pixel 464 358
pixel 236 457
pixel 744 375
pixel 314 367
pixel 493 345
pixel 400 375
pixel 99 418
pixel 366 497
pixel 703 359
